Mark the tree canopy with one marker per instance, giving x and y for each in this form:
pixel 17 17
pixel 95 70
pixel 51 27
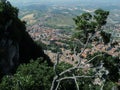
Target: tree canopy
pixel 88 23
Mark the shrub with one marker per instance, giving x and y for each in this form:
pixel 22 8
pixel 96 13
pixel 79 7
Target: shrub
pixel 32 76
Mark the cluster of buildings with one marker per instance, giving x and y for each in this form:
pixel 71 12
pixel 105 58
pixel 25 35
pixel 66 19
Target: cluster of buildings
pixel 47 36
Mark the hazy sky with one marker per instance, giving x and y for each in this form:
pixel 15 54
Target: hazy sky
pixel 64 0
pixel 20 2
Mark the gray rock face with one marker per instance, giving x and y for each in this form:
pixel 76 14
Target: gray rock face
pixel 9 51
pixel 9 55
pixel 17 47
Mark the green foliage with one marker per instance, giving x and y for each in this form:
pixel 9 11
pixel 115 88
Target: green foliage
pixel 65 84
pixel 85 24
pixel 53 47
pixel 39 43
pixel 79 35
pixel 106 37
pixel 101 17
pixel 110 63
pixel 109 85
pixel 32 76
pixel 88 23
pixel 62 66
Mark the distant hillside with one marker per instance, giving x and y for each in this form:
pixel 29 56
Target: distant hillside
pixel 50 16
pixel 60 15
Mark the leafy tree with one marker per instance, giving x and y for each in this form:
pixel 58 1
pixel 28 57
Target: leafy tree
pixel 110 63
pixel 89 24
pixel 34 76
pixel 101 69
pixel 101 17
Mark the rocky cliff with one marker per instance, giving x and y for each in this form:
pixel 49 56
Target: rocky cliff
pixel 16 46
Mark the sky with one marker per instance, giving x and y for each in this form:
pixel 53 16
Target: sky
pixel 20 2
pixel 64 0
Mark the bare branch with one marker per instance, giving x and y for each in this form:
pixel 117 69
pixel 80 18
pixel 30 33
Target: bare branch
pixel 53 83
pixel 58 85
pixel 102 86
pixel 94 58
pixel 84 48
pixel 76 82
pixel 65 78
pixel 55 65
pixel 68 70
pixel 57 75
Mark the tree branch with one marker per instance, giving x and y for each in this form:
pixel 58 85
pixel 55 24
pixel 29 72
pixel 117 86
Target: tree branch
pixel 76 82
pixel 55 65
pixel 65 78
pixel 93 58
